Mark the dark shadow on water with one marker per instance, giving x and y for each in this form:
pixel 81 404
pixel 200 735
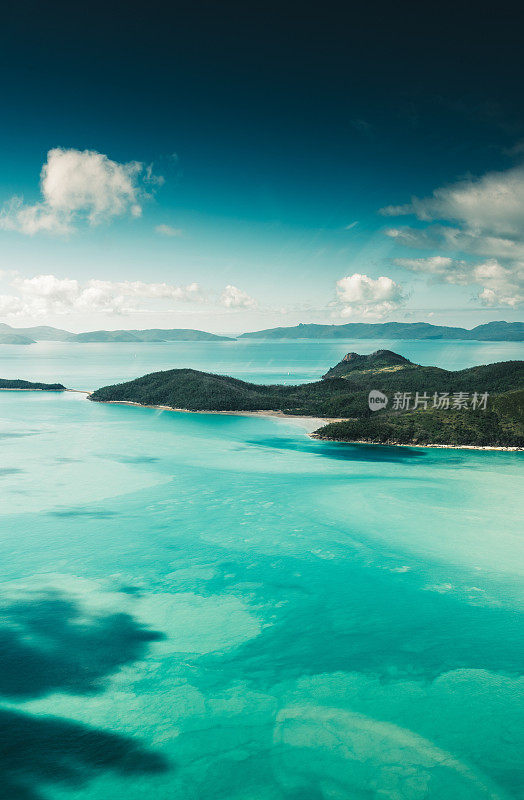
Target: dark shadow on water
pixel 128 588
pixel 82 512
pixel 10 471
pixel 374 623
pixel 39 752
pixel 19 435
pixel 341 451
pixel 48 644
pixel 136 459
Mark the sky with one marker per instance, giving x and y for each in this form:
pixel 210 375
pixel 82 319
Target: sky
pixel 236 166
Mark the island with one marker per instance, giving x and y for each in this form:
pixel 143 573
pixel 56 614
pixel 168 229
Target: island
pixel 46 333
pixel 28 386
pixel 37 333
pixel 490 332
pixel 151 335
pixel 15 338
pixel 477 407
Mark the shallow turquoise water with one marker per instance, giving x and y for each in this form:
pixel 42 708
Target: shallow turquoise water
pixel 89 366
pixel 206 606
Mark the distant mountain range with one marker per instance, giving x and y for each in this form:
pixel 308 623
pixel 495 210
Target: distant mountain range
pixel 151 335
pixel 44 333
pixel 490 332
pixel 15 338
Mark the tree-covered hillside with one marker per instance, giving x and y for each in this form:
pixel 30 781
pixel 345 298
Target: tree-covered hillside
pixel 490 332
pixel 29 386
pixel 494 415
pixel 500 425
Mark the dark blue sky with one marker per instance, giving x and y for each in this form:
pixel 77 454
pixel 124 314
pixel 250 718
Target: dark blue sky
pixel 289 122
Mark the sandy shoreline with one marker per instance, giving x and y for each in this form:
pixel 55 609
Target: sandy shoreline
pixel 49 391
pixel 403 444
pixel 311 425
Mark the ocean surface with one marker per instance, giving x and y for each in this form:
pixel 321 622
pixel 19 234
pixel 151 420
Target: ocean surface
pixel 217 607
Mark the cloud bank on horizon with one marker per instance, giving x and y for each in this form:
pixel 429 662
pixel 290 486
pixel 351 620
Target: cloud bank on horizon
pixel 45 295
pixel 473 217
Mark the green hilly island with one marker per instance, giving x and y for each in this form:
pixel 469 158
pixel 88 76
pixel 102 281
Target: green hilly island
pixel 31 387
pixel 15 338
pixel 490 332
pixel 463 414
pixel 416 331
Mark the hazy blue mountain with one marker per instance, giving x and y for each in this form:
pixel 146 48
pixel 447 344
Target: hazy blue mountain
pixel 44 333
pixel 106 336
pixel 498 332
pixel 178 335
pixel 38 333
pixel 15 338
pixel 491 332
pixel 150 335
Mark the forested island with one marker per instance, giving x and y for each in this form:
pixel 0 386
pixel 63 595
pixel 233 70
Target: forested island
pixel 150 335
pixel 46 333
pixel 15 338
pixel 481 406
pixel 28 386
pixel 490 332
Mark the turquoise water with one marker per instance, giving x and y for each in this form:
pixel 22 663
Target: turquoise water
pixel 89 366
pixel 218 607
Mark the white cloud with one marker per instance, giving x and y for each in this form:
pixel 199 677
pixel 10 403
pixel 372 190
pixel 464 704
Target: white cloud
pixel 232 297
pixel 47 294
pixel 368 297
pixel 11 305
pixel 500 285
pixel 492 204
pixel 80 185
pixel 444 268
pixel 457 240
pixel 474 217
pixel 168 230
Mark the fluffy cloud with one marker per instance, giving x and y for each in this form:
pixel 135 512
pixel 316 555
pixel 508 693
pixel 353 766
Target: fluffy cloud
pixel 449 270
pixel 11 305
pixel 368 297
pixel 475 217
pixel 80 185
pixel 501 285
pixel 232 297
pixel 492 204
pixel 47 294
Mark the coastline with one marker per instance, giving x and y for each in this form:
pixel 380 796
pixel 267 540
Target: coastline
pixel 56 391
pixel 311 424
pixel 314 435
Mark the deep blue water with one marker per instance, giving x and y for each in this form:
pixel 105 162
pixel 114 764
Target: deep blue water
pixel 206 606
